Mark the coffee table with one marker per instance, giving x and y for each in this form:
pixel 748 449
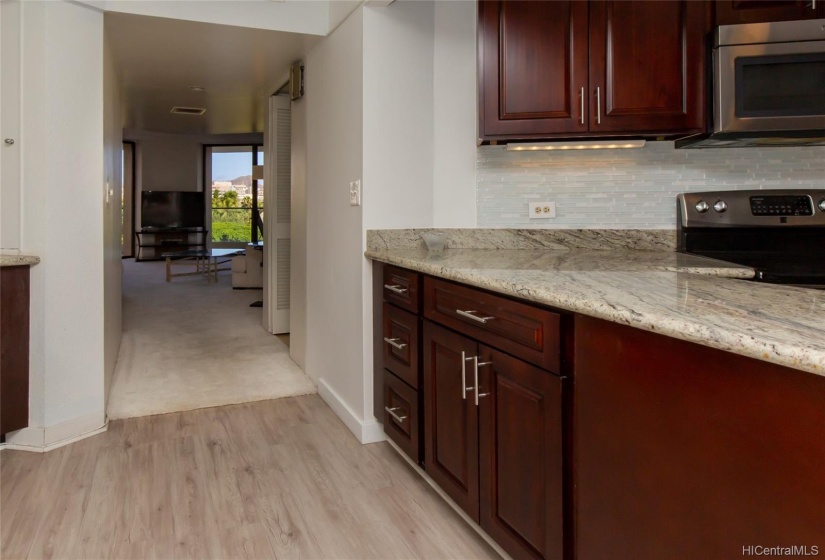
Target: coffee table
pixel 207 262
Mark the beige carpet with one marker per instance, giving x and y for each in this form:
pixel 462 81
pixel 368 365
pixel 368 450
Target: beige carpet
pixel 189 345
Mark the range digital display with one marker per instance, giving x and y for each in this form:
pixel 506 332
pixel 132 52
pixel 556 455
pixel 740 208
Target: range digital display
pixel 782 205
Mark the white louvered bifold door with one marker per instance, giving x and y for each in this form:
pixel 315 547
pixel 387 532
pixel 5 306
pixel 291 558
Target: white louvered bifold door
pixel 277 201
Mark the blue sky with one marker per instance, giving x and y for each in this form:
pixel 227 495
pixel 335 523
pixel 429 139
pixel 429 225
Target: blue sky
pixel 229 165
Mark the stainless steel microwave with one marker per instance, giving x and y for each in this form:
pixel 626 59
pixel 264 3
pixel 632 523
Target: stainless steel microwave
pixel 769 84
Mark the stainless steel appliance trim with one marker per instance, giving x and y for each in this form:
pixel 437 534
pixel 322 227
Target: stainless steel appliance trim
pixel 738 213
pixel 775 32
pixel 724 114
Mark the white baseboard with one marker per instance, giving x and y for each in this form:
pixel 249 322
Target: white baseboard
pixel 487 538
pixel 40 440
pixel 366 432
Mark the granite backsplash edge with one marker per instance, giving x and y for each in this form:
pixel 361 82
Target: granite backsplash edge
pixel 551 239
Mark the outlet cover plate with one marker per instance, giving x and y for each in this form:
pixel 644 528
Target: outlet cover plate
pixel 542 210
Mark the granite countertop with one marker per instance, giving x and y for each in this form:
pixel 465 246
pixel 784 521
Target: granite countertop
pixel 18 260
pixel 686 297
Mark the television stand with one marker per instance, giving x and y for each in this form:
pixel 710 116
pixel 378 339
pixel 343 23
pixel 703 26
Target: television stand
pixel 153 242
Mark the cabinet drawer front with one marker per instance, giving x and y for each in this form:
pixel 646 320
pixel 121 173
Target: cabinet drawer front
pixel 401 415
pixel 401 344
pixel 519 329
pixel 401 288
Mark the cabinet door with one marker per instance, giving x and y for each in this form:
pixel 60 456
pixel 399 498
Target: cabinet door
pixel 520 442
pixel 533 68
pixel 647 62
pixel 451 420
pixel 732 12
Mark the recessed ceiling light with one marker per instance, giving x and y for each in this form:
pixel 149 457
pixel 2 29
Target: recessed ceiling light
pixel 197 88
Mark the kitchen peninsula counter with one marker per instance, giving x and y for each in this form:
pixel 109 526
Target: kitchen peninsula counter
pixel 685 297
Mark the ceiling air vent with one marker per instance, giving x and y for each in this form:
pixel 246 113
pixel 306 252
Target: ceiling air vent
pixel 188 111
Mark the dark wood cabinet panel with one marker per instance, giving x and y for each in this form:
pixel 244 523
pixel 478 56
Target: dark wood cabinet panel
pixel 451 419
pixel 687 451
pixel 14 348
pixel 521 329
pixel 401 415
pixel 401 345
pixel 647 71
pixel 401 287
pixel 520 444
pixel 533 67
pixel 732 12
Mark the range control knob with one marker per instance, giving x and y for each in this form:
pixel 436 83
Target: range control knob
pixel 720 206
pixel 702 206
pixel 822 204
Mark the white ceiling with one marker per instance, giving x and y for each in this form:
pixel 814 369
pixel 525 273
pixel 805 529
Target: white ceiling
pixel 159 59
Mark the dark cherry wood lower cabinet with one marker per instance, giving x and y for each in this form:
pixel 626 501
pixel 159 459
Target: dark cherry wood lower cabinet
pixel 688 452
pixel 499 457
pixel 451 418
pixel 520 449
pixel 14 342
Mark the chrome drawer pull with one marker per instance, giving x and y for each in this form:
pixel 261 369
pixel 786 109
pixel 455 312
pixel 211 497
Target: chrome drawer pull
pixel 581 98
pixel 598 106
pixel 464 361
pixel 478 365
pixel 392 342
pixel 397 418
pixel 395 288
pixel 469 315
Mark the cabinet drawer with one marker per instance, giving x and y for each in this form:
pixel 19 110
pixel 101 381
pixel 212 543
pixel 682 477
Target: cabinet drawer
pixel 401 344
pixel 401 288
pixel 519 329
pixel 401 415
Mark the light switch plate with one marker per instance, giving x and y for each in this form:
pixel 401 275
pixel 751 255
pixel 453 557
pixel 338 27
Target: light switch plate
pixel 355 193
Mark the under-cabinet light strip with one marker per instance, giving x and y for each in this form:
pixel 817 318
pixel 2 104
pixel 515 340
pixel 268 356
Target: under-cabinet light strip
pixel 585 145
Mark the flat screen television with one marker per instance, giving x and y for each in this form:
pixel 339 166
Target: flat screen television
pixel 172 209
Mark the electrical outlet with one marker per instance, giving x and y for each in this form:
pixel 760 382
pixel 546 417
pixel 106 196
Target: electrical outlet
pixel 355 193
pixel 542 210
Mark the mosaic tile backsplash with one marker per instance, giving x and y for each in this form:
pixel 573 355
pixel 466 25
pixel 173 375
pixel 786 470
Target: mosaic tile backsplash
pixel 632 188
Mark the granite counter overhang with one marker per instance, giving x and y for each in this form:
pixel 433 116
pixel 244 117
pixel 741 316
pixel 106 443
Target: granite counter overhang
pixel 18 260
pixel 690 298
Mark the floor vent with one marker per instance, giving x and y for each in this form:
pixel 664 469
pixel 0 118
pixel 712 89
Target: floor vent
pixel 188 111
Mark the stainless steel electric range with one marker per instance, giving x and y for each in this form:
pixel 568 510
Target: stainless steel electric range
pixel 779 233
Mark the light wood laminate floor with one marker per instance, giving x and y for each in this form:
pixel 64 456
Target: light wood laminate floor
pixel 269 479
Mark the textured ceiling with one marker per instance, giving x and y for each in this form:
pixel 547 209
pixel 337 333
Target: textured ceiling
pixel 159 59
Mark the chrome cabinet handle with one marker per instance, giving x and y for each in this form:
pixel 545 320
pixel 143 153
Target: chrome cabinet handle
pixel 395 288
pixel 9 141
pixel 397 418
pixel 598 105
pixel 469 315
pixel 464 387
pixel 478 365
pixel 581 100
pixel 392 342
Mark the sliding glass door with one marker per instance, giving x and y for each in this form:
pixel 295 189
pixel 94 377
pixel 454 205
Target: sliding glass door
pixel 236 193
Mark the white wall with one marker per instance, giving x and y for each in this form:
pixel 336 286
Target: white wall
pixel 631 188
pixel 295 16
pixel 10 125
pixel 62 217
pixel 454 112
pixel 112 222
pixel 334 105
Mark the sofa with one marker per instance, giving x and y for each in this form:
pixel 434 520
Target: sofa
pixel 247 269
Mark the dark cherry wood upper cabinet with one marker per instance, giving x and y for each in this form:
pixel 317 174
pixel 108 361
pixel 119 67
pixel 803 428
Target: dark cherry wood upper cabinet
pixel 647 66
pixel 532 68
pixel 520 445
pixel 732 12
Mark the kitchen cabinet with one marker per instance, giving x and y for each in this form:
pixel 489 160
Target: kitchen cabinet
pixel 687 451
pixel 732 12
pixel 493 422
pixel 397 350
pixel 14 343
pixel 600 68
